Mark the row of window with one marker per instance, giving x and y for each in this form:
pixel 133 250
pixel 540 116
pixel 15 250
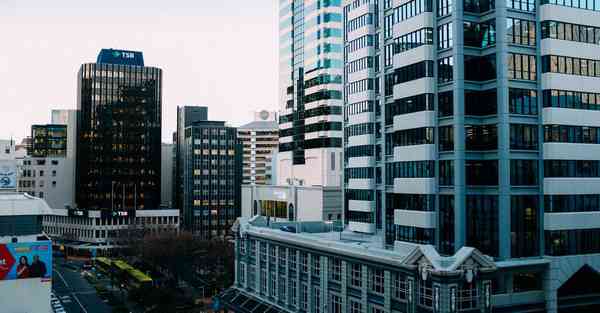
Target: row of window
pixel 444 7
pixel 478 6
pixel 571 203
pixel 412 40
pixel 359 173
pixel 413 71
pixel 360 151
pixel 523 172
pixel 360 194
pixel 359 129
pixel 323 95
pixel 414 136
pixel 523 137
pixel 359 65
pixel 359 107
pixel 411 9
pixel 360 86
pixel 580 4
pixel 522 101
pixel 570 32
pixel 418 103
pixel 409 169
pixel 322 80
pixel 571 168
pixel 571 134
pixel 570 242
pixel 570 65
pixel 409 201
pixel 521 5
pixel 571 99
pixel 359 43
pixel 356 23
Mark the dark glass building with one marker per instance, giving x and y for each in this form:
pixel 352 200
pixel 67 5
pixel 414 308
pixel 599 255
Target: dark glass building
pixel 48 141
pixel 212 176
pixel 119 133
pixel 186 115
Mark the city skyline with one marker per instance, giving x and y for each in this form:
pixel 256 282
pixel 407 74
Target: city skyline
pixel 184 40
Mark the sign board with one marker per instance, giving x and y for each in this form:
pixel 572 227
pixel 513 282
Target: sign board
pixel 8 174
pixel 24 260
pixel 78 213
pixel 114 214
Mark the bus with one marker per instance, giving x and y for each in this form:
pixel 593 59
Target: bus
pixel 133 278
pixel 103 265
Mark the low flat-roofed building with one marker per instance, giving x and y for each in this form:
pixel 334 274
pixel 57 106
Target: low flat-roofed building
pixel 25 254
pixel 292 203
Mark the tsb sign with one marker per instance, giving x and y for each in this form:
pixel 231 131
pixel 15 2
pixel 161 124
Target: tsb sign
pixel 123 54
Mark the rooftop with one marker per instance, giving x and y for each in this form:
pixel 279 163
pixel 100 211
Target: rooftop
pixel 261 125
pixel 16 203
pixel 321 236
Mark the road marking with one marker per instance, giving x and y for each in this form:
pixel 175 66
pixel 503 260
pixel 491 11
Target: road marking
pixel 61 277
pixel 81 305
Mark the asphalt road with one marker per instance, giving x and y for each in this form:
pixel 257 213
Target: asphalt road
pixel 75 293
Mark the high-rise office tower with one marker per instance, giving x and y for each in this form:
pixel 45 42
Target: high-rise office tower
pixel 470 124
pixel 259 141
pixel 212 175
pixel 119 133
pixel 310 92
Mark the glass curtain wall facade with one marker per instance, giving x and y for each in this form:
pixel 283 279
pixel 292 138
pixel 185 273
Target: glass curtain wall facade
pixel 119 134
pixel 310 91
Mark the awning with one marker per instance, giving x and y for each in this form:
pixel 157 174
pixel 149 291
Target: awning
pixel 242 302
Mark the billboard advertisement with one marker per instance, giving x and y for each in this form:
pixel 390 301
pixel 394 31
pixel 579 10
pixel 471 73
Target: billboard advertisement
pixel 8 174
pixel 26 260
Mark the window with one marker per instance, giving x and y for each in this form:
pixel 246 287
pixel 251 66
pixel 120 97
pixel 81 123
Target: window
pixel 482 223
pixel 480 68
pixel 446 173
pixel 524 226
pixel 303 262
pixel 521 5
pixel 359 43
pixel 521 66
pixel 399 286
pixel 523 137
pixel 444 7
pixel 586 5
pixel 523 172
pixel 304 296
pixel 418 103
pixel 351 67
pixel 467 296
pixel 376 280
pixel 335 269
pixel 527 282
pixel 359 194
pixel 521 32
pixel 445 35
pixel 522 101
pixel 482 172
pixel 425 293
pixel 481 102
pixel 316 265
pixel 356 23
pixel 410 169
pixel 480 35
pixel 446 224
pixel 335 303
pixel 445 70
pixel 446 138
pixel 481 137
pixel 478 6
pixel 317 305
pixel 359 173
pixel 445 104
pixel 355 275
pixel 355 306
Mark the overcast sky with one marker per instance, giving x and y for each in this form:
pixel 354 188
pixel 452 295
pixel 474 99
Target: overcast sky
pixel 218 53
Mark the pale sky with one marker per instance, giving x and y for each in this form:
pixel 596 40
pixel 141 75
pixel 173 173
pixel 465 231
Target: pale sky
pixel 219 53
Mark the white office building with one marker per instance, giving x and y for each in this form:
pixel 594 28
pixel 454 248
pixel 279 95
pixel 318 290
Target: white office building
pixel 260 142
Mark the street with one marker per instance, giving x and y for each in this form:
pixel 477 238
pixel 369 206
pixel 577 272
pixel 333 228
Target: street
pixel 75 293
